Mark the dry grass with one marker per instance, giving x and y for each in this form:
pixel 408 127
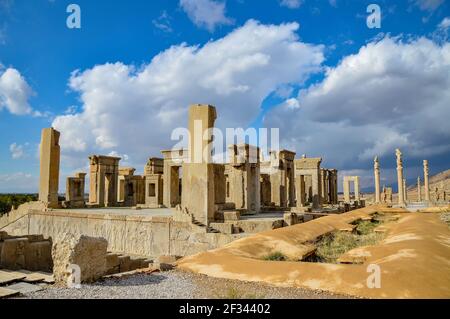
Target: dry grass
pixel 275 256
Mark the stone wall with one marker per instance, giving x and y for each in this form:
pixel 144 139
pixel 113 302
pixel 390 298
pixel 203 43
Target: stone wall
pixel 31 252
pixel 144 236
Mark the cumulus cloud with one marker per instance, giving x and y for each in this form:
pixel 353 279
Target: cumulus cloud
pixel 206 13
pixel 132 110
pixel 291 4
pixel 390 94
pixel 15 92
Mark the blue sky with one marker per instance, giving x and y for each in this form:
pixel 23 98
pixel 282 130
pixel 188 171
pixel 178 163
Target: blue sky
pixel 36 43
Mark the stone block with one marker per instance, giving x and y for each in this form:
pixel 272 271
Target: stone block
pixel 25 288
pixel 290 219
pixel 124 263
pixel 13 253
pixel 224 228
pixel 88 253
pixel 5 292
pixel 112 263
pixel 3 235
pixel 35 238
pixel 163 266
pixel 167 259
pixel 38 256
pixel 231 216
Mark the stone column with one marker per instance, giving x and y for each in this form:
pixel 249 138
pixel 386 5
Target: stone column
pixel 198 184
pixel 425 180
pixel 356 185
pixel 405 190
pixel 376 168
pixel 419 190
pixel 49 167
pixel 401 195
pixel 346 190
pixel 300 190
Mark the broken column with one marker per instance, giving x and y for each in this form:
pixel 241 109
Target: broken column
pixel 49 170
pixel 376 169
pixel 425 181
pixel 401 190
pixel 198 173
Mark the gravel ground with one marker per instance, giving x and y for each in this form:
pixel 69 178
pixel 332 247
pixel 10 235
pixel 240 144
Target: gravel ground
pixel 177 285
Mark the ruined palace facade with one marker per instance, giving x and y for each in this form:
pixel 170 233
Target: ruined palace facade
pixel 189 180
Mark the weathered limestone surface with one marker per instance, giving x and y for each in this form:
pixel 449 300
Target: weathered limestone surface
pixel 310 168
pixel 243 178
pixel 426 180
pixel 30 252
pixel 87 252
pixel 49 167
pixel 104 176
pixel 198 174
pixel 75 191
pixel 153 171
pixel 400 184
pixel 419 190
pixel 347 180
pixel 376 169
pixel 137 235
pixel 131 188
pixel 173 161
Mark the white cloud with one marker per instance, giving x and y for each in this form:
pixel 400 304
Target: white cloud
pixel 206 13
pixel 18 183
pixel 445 23
pixel 163 22
pixel 291 4
pixel 133 110
pixel 390 94
pixel 17 151
pixel 429 5
pixel 15 92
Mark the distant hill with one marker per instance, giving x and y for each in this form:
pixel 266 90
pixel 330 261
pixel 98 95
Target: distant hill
pixel 438 183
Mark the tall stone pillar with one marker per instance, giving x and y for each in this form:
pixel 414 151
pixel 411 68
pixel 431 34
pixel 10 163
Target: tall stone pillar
pixel 425 180
pixel 405 190
pixel 49 170
pixel 376 168
pixel 401 190
pixel 198 174
pixel 419 190
pixel 356 185
pixel 300 190
pixel 346 190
